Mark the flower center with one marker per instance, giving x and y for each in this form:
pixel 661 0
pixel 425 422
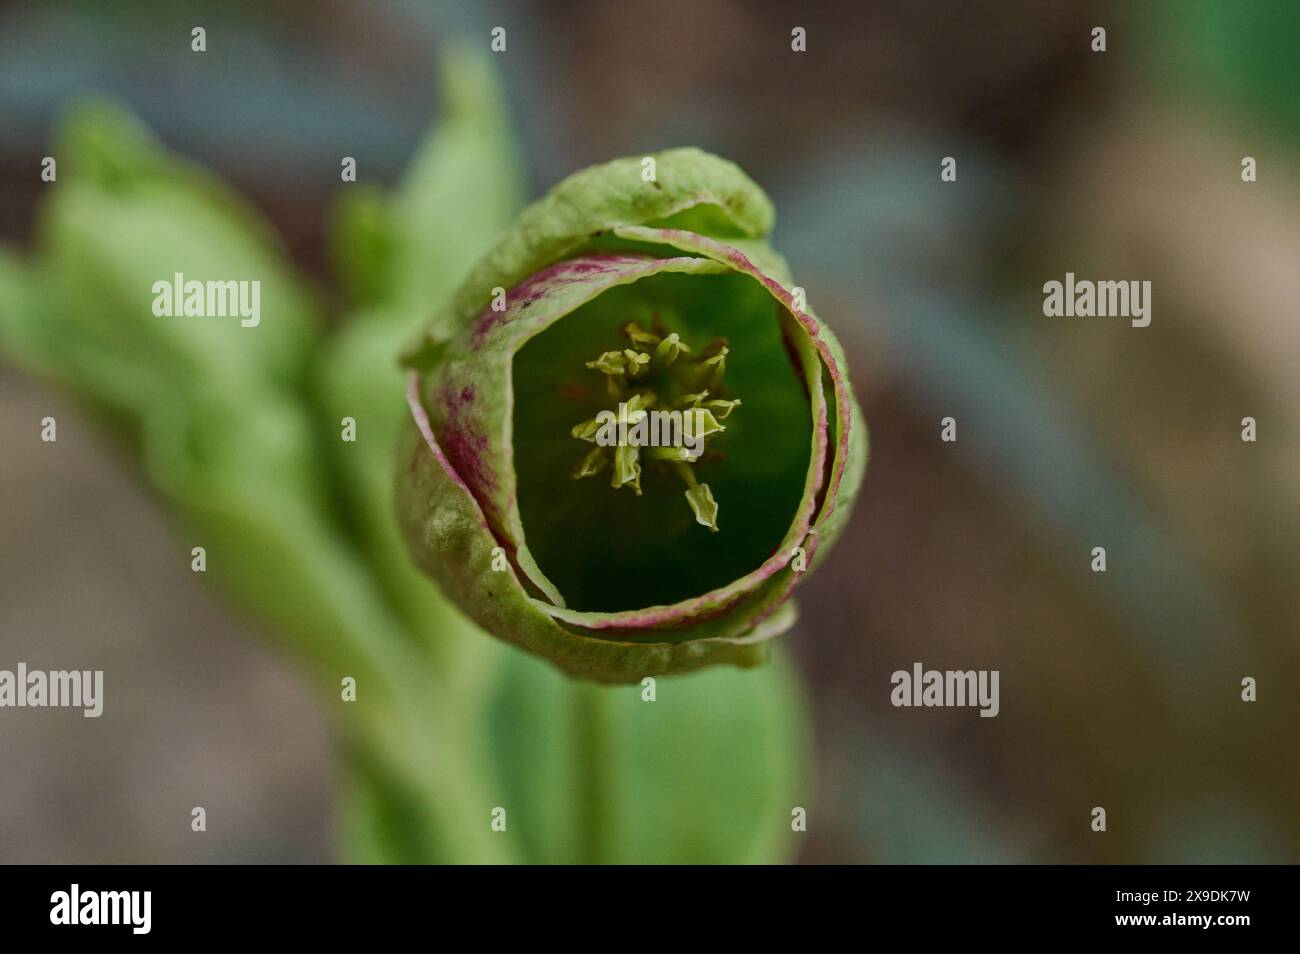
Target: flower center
pixel 669 404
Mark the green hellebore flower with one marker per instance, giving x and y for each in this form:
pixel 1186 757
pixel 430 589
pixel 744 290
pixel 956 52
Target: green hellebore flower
pixel 527 486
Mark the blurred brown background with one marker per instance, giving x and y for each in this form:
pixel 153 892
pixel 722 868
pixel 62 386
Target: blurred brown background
pixel 1119 689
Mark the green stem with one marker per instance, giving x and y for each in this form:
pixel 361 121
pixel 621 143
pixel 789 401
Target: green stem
pixel 594 793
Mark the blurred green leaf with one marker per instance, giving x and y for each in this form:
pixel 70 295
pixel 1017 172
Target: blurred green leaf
pixel 448 724
pixel 411 248
pixel 401 255
pixel 361 239
pixel 708 773
pixel 359 379
pixel 1238 55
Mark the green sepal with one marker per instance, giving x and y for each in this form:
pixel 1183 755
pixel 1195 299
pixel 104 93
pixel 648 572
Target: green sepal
pixel 448 535
pixel 713 192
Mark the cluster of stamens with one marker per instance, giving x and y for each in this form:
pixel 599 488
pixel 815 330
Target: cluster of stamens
pixel 669 405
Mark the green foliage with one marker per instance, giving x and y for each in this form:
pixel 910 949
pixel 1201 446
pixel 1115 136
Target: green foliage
pixel 708 772
pixel 239 430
